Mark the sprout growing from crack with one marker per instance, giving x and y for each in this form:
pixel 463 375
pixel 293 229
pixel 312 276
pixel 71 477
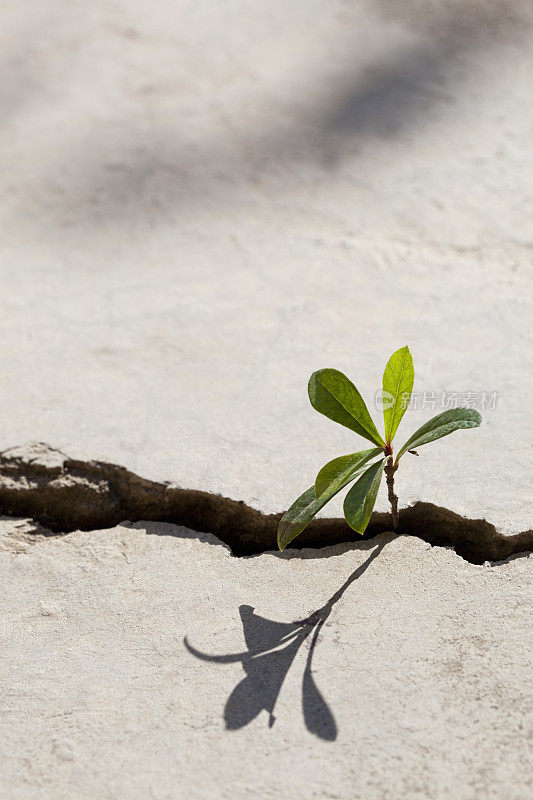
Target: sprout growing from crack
pixel 334 395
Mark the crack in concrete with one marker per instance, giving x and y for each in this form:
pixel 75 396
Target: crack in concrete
pixel 65 494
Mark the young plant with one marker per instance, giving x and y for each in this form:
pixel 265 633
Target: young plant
pixel 334 395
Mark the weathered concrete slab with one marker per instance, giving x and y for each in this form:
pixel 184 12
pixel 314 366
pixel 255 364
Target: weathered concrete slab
pixel 388 669
pixel 200 206
pixel 64 494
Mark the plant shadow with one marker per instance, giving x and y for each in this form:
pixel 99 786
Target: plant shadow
pixel 271 649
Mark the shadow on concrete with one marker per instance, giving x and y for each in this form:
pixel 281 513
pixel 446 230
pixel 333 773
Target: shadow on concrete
pixel 154 171
pixel 400 91
pixel 271 649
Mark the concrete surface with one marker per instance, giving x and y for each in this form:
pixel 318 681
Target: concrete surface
pixel 65 495
pixel 385 670
pixel 202 204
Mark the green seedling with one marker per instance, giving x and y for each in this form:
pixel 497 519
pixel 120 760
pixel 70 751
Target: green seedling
pixel 334 395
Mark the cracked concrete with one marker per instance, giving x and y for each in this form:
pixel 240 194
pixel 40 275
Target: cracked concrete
pixel 210 212
pixel 65 495
pixel 200 205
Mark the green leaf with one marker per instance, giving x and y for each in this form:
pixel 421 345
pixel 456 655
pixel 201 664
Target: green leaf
pixel 343 468
pixel 299 516
pixel 334 395
pixel 398 380
pixel 441 425
pixel 309 504
pixel 361 498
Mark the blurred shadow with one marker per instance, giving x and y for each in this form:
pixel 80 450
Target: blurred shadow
pixel 392 94
pixel 271 649
pixel 148 177
pixel 399 91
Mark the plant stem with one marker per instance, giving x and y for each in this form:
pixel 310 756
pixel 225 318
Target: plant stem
pixel 390 469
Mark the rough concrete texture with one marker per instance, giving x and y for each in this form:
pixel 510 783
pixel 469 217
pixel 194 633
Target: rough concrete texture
pixel 65 495
pixel 387 669
pixel 202 204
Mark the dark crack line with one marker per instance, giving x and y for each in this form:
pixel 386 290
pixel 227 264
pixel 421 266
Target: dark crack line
pixel 64 494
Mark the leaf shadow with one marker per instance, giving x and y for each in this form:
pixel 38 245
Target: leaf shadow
pixel 271 649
